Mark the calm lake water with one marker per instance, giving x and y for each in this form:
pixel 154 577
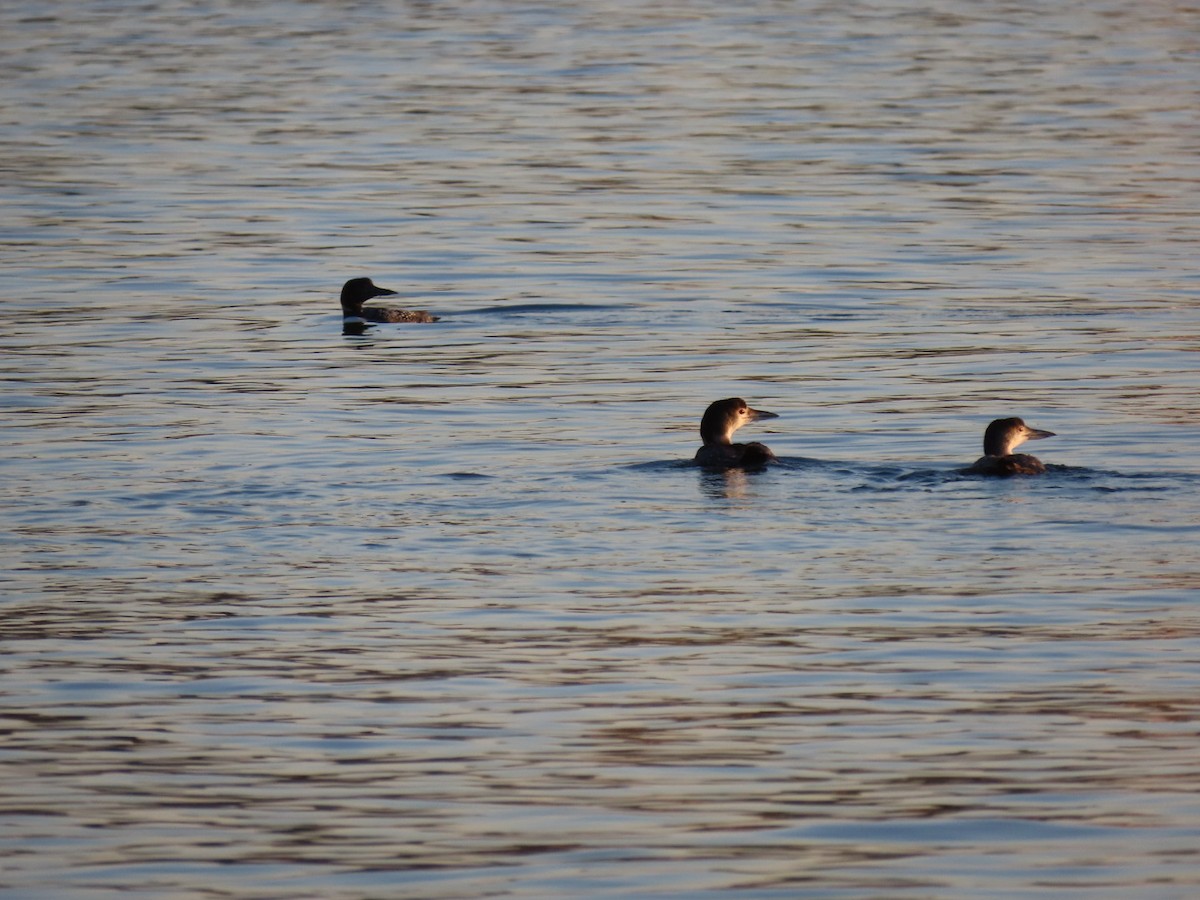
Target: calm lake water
pixel 442 611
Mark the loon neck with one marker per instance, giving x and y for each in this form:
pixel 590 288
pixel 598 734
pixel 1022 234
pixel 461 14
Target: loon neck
pixel 720 439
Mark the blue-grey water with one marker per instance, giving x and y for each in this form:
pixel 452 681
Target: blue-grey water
pixel 441 611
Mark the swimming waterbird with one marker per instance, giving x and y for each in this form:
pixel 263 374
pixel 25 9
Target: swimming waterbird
pixel 357 291
pixel 720 421
pixel 1000 439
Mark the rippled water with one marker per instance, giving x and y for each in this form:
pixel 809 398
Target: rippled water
pixel 442 611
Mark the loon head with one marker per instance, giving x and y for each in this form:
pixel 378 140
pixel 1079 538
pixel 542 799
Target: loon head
pixel 358 291
pixel 724 417
pixel 1003 436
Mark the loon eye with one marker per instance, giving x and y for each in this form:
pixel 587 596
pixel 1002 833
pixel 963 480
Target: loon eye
pixel 742 411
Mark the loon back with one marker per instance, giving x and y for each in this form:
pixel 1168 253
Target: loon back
pixel 1012 464
pixel 380 314
pixel 731 456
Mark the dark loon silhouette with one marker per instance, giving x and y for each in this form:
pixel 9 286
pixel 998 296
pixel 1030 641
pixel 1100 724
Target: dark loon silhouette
pixel 720 421
pixel 358 291
pixel 1001 438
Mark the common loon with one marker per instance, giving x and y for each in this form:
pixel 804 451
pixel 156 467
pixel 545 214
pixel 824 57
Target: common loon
pixel 720 421
pixel 1001 438
pixel 358 291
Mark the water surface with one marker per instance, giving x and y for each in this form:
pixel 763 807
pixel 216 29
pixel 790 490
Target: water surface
pixel 442 611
